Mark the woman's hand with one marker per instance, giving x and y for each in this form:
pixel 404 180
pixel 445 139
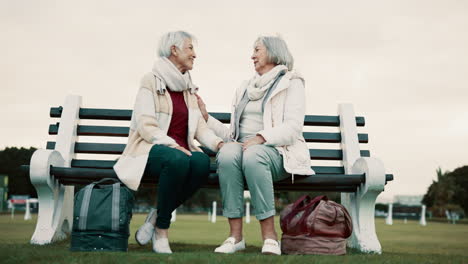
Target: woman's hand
pixel 257 140
pixel 184 150
pixel 202 107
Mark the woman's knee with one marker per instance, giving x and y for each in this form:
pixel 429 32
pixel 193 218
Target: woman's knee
pixel 230 153
pixel 255 156
pixel 200 158
pixel 176 159
pixel 256 165
pixel 200 163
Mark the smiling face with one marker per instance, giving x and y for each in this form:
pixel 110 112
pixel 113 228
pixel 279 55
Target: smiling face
pixel 260 58
pixel 183 58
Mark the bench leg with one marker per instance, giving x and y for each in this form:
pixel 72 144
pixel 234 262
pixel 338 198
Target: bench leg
pixel 361 205
pixel 55 200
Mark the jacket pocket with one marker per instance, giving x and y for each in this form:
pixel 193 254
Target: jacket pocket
pixel 298 153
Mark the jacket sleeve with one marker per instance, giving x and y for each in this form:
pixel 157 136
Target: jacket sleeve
pixel 218 128
pixel 290 129
pixel 145 117
pixel 206 136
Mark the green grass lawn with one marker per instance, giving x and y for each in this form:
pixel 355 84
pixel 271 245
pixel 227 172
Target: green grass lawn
pixel 193 239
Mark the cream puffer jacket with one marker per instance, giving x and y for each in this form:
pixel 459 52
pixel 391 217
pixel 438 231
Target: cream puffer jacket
pixel 283 120
pixel 150 122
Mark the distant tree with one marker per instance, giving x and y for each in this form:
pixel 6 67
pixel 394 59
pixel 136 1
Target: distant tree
pixel 10 161
pixel 449 192
pixel 460 179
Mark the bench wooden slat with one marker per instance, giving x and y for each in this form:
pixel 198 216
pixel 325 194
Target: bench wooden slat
pixel 278 187
pixel 122 114
pixel 94 148
pixel 331 182
pixel 108 164
pixel 322 182
pixel 119 131
pixel 328 169
pixel 106 131
pixel 328 137
pixel 334 121
pixel 318 179
pixel 113 148
pixel 93 164
pixel 315 154
pixel 331 154
pixel 96 113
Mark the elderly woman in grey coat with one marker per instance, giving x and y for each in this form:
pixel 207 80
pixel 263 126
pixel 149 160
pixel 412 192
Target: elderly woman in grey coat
pixel 165 121
pixel 264 143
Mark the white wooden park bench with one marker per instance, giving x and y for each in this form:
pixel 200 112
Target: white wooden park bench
pixel 56 170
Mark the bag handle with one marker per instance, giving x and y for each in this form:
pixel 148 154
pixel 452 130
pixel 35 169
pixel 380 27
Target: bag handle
pixel 115 204
pixel 300 200
pixel 348 222
pixel 309 205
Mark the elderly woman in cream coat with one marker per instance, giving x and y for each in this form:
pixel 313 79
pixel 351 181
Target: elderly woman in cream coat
pixel 165 121
pixel 265 141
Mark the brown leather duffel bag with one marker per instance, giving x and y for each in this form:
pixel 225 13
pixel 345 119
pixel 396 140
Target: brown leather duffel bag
pixel 315 226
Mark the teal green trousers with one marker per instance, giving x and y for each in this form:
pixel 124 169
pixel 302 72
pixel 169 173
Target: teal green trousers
pixel 179 177
pixel 260 166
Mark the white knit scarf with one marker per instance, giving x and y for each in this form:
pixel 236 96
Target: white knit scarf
pixel 171 77
pixel 259 84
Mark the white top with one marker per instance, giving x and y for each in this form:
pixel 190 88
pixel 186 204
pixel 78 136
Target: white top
pixel 251 120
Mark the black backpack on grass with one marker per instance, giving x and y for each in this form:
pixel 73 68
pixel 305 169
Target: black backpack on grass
pixel 101 217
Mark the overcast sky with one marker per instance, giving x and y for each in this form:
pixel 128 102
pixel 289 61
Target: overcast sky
pixel 402 64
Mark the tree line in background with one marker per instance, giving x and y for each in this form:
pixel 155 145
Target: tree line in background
pixel 11 160
pixel 449 192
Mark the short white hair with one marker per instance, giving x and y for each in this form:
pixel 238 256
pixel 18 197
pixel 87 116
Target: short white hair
pixel 277 50
pixel 174 38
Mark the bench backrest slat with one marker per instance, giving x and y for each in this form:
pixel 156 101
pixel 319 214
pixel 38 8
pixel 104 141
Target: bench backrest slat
pixel 98 114
pixel 119 131
pixel 123 114
pixel 313 137
pixel 105 131
pixel 114 148
pixel 108 164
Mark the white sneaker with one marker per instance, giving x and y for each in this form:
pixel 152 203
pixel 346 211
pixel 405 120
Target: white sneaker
pixel 230 246
pixel 271 247
pixel 145 232
pixel 161 245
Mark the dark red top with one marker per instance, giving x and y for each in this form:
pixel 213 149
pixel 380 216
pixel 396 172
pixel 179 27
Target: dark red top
pixel 178 129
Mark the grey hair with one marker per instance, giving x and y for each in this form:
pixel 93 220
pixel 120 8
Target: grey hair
pixel 174 38
pixel 277 50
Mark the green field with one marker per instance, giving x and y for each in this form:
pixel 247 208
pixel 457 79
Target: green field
pixel 193 239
